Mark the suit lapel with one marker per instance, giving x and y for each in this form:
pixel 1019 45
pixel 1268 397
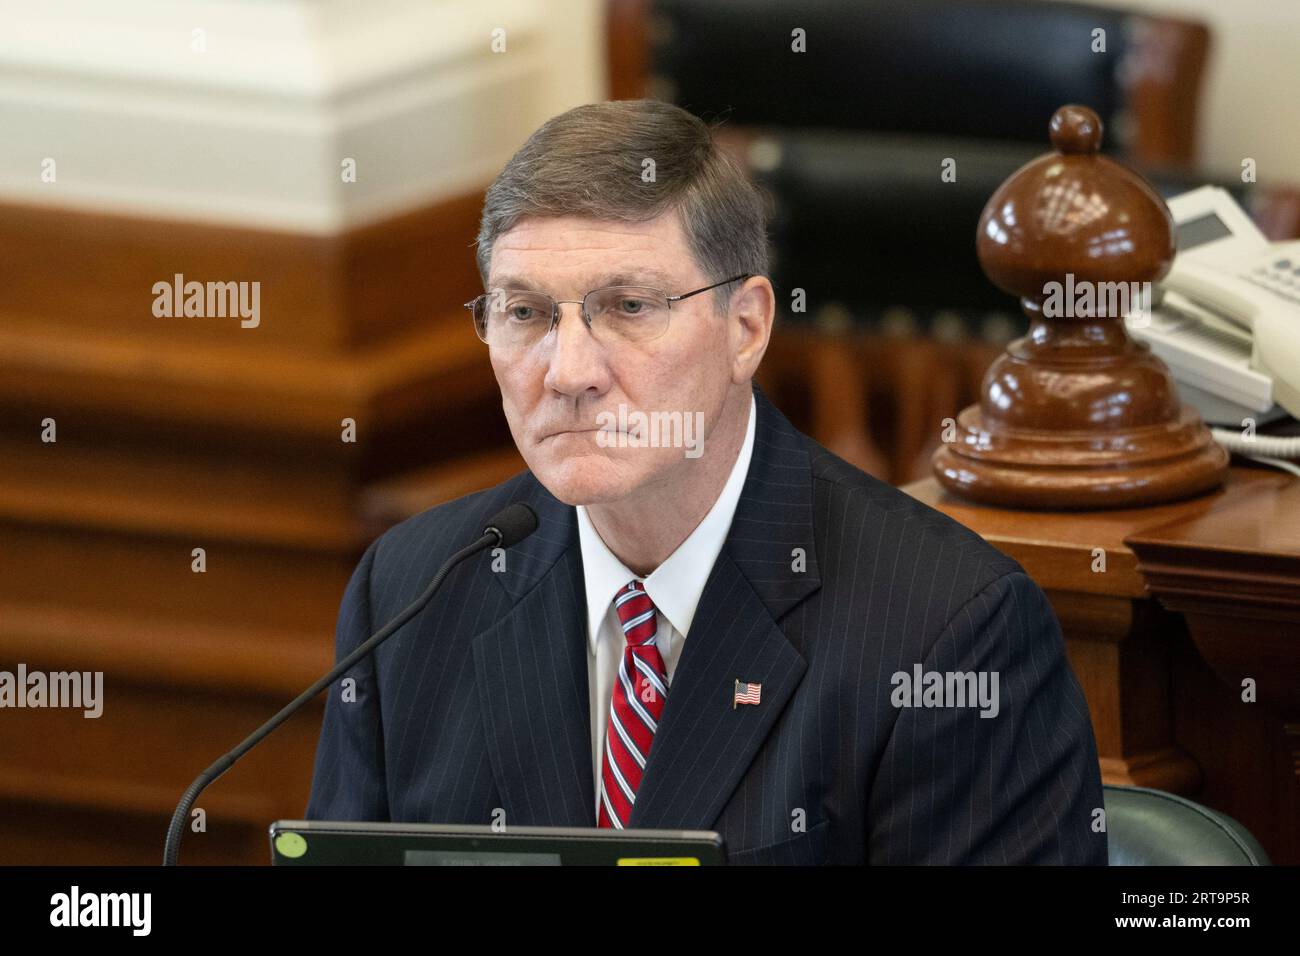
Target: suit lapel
pixel 531 672
pixel 704 745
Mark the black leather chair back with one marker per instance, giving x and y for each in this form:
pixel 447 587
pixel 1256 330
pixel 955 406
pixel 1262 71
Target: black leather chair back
pixel 991 69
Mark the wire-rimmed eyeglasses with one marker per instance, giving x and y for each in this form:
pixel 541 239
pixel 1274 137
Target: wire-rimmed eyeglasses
pixel 516 319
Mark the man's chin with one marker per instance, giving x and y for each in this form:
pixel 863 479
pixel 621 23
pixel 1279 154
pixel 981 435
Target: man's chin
pixel 587 480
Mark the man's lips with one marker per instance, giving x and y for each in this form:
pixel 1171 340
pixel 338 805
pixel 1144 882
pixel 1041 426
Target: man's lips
pixel 581 431
pixel 567 431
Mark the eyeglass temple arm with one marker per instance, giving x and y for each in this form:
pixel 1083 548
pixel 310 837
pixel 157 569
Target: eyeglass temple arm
pixel 671 298
pixel 687 295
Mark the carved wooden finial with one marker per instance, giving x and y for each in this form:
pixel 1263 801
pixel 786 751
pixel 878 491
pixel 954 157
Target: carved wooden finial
pixel 1076 414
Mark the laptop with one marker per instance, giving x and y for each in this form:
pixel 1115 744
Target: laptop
pixel 344 843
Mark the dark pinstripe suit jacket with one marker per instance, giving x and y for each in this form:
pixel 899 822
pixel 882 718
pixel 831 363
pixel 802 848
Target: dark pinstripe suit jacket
pixel 479 705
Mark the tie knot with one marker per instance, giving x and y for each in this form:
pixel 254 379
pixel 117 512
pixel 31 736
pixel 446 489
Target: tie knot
pixel 637 613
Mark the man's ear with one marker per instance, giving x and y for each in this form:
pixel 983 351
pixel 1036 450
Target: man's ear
pixel 750 317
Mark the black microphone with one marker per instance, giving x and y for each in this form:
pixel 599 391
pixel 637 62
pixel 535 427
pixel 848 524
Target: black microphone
pixel 508 527
pixel 512 524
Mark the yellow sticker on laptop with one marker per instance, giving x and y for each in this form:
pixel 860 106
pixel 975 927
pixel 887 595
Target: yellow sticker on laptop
pixel 658 861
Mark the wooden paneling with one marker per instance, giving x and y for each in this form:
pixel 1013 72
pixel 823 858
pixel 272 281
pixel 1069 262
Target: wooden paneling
pixel 879 402
pixel 94 273
pixel 627 48
pixel 1161 77
pixel 183 433
pixel 101 791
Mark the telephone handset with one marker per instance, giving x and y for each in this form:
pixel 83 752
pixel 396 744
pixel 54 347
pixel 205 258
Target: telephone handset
pixel 1228 321
pixel 1226 263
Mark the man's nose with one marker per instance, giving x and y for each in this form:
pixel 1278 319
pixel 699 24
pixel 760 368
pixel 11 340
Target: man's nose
pixel 577 360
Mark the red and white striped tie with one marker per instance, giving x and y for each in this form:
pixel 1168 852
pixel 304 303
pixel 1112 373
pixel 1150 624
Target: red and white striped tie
pixel 638 702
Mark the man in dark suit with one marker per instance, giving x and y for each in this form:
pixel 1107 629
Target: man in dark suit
pixel 718 624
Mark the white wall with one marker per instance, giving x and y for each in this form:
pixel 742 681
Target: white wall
pixel 1251 97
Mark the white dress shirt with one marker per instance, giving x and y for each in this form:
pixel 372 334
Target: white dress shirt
pixel 674 587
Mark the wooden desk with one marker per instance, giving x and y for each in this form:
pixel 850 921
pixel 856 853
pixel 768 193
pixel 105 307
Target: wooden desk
pixel 1182 622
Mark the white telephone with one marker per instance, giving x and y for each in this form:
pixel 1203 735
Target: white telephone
pixel 1227 322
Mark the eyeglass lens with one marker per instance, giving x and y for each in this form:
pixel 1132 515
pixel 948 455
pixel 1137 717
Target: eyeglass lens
pixel 514 319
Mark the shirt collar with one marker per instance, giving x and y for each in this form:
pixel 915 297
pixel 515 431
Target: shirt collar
pixel 676 585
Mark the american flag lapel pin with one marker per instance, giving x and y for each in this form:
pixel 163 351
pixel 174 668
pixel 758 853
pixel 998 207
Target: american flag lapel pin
pixel 747 694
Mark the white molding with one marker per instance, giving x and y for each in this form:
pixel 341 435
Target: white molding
pixel 252 131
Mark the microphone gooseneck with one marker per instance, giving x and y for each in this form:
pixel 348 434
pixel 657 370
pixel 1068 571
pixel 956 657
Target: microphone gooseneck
pixel 508 527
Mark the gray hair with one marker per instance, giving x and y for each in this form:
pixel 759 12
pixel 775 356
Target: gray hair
pixel 588 162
